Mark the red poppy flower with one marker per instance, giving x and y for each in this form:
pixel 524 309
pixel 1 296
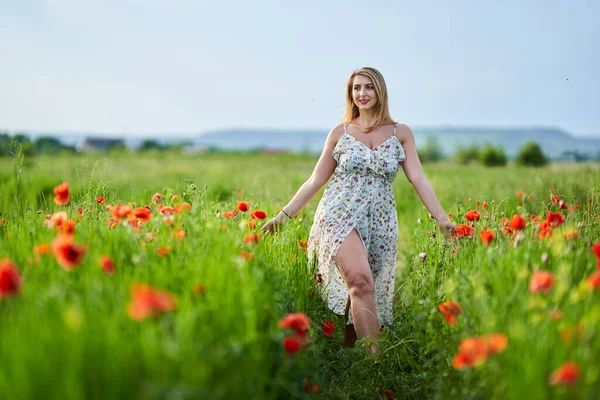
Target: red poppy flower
pixel 229 214
pixel 297 321
pixel 107 264
pixel 463 230
pixel 143 214
pixel 62 194
pixel 67 227
pixel 566 374
pixel 594 280
pixel 258 214
pixel 157 198
pixel 166 211
pixel 596 251
pixel 186 206
pixel 507 231
pixel 517 222
pixel 472 352
pixel 473 215
pixel 496 342
pixel 390 395
pixel 554 198
pixel 163 251
pixel 545 229
pixel 243 206
pixel 120 211
pixel 199 289
pixel 486 237
pixel 309 387
pixel 251 238
pixel 571 235
pixel 40 250
pixel 556 219
pixel 55 220
pixel 563 205
pixel 451 310
pixel 147 301
pixel 520 194
pixel 541 281
pixel 568 333
pixel 10 280
pixel 179 234
pixel 66 252
pixel 246 255
pixel 503 221
pixel 251 225
pixel 328 328
pixel 291 345
pixel 100 200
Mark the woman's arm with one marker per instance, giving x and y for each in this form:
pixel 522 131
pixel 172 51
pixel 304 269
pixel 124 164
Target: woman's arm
pixel 320 175
pixel 415 175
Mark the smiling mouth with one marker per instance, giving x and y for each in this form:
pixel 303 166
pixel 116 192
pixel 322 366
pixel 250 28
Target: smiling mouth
pixel 363 101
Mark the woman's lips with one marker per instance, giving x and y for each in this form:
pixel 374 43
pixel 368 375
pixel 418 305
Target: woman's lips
pixel 364 101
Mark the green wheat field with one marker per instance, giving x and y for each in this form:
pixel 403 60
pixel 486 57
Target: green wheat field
pixel 118 293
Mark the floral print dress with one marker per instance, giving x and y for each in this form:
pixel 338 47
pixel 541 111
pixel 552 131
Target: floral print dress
pixel 359 196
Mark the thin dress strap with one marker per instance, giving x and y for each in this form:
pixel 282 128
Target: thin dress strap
pixel 344 127
pixel 395 126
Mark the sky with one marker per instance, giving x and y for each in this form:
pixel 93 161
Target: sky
pixel 156 67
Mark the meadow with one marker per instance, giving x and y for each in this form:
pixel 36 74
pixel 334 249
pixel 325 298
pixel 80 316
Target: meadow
pixel 150 279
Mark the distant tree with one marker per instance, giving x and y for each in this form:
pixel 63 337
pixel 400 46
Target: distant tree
pixel 27 147
pixel 48 145
pixel 466 155
pixel 4 144
pixel 432 151
pixel 492 156
pixel 21 138
pixel 150 144
pixel 531 154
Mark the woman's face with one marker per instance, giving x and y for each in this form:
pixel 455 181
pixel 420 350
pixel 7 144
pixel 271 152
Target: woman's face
pixel 363 92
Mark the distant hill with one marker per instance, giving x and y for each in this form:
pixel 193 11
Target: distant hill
pixel 554 142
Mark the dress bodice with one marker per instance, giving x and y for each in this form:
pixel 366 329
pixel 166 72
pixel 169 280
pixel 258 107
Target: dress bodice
pixel 356 158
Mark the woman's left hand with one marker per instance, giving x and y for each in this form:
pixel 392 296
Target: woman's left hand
pixel 446 228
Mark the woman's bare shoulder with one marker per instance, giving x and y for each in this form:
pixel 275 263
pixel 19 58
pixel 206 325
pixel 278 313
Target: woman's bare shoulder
pixel 404 132
pixel 336 133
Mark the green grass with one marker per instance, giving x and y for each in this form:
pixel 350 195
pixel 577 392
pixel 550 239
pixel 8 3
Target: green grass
pixel 68 334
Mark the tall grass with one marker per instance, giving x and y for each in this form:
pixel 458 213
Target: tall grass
pixel 68 334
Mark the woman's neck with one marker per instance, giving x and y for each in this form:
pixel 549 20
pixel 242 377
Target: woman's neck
pixel 364 119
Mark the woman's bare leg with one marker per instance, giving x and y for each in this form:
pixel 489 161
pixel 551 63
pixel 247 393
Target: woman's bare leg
pixel 354 267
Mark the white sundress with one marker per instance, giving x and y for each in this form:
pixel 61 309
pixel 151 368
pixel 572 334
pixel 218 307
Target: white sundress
pixel 359 196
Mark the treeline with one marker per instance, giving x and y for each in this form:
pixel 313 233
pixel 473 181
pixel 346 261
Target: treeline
pixel 432 151
pixel 9 145
pixel 489 155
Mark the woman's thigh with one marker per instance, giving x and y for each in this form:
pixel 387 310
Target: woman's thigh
pixel 352 261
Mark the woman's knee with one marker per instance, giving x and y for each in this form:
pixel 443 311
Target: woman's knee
pixel 360 286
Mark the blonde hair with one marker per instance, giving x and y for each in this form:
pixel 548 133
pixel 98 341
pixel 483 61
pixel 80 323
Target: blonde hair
pixel 382 111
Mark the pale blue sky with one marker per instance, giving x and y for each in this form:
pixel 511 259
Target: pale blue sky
pixel 144 67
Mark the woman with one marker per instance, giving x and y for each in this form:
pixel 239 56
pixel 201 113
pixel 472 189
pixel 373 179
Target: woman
pixel 354 235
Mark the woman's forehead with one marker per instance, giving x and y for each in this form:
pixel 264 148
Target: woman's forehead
pixel 361 79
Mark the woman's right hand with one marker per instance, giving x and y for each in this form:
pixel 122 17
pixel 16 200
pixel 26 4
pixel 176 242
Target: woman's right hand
pixel 273 224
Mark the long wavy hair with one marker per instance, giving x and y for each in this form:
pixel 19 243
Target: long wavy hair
pixel 381 108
